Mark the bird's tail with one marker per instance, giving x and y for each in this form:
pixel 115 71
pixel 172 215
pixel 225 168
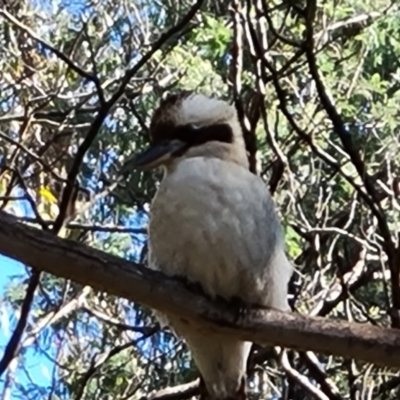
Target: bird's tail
pixel 239 395
pixel 221 361
pixel 222 364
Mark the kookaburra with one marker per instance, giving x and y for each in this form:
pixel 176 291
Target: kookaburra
pixel 214 223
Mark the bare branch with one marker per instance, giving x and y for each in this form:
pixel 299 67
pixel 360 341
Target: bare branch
pixel 301 379
pixel 13 344
pixel 86 227
pixel 355 156
pixel 20 146
pixel 100 359
pixel 102 114
pixel 48 46
pixel 71 260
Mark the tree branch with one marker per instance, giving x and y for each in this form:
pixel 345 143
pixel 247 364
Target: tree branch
pixel 102 271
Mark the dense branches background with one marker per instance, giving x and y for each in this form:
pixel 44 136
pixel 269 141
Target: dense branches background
pixel 317 88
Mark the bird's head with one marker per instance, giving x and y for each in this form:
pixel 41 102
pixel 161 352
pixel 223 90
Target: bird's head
pixel 188 125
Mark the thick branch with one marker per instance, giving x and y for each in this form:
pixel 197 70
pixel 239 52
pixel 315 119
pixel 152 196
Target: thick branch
pixel 71 260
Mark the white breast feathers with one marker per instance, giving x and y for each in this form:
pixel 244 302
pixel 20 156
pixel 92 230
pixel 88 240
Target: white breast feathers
pixel 214 223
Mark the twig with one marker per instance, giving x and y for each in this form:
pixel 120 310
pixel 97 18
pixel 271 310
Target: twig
pixel 89 227
pixel 144 330
pixel 101 116
pixel 345 137
pixel 301 379
pixel 20 146
pixel 48 46
pixel 103 358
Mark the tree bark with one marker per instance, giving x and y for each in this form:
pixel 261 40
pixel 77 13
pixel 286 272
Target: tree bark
pixel 71 260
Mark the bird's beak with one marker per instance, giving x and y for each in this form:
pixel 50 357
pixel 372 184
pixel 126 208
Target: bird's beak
pixel 154 156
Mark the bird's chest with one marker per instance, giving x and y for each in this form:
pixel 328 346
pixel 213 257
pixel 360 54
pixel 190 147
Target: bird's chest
pixel 198 231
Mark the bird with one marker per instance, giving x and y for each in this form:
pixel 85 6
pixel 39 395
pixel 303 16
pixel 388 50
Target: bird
pixel 214 223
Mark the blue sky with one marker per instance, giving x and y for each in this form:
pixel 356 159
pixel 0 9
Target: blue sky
pixel 40 367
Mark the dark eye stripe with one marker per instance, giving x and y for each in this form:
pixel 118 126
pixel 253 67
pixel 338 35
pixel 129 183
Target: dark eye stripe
pixel 193 136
